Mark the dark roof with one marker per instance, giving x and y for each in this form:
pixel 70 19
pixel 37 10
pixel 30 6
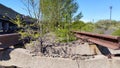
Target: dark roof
pixel 8 13
pixel 5 11
pixel 5 18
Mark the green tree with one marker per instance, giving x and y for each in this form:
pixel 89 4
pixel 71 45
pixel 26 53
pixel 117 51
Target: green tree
pixel 89 27
pixel 78 17
pixel 52 15
pixel 57 11
pixel 77 25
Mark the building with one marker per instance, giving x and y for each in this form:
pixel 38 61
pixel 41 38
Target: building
pixel 6 26
pixel 6 14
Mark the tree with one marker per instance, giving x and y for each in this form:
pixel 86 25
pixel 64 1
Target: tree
pixel 78 17
pixel 52 14
pixel 57 11
pixel 77 25
pixel 89 27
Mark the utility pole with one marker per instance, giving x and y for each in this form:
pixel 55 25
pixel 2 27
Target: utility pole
pixel 110 12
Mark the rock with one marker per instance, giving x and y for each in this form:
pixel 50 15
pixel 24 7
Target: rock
pixel 34 47
pixel 21 58
pixel 4 54
pixel 66 50
pixel 49 39
pixel 39 47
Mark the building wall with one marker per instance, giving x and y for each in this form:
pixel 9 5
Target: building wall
pixel 5 26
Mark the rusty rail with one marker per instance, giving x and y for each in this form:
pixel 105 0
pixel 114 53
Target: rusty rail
pixel 7 40
pixel 108 41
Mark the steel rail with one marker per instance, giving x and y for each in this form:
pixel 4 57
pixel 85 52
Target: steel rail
pixel 98 35
pixel 108 41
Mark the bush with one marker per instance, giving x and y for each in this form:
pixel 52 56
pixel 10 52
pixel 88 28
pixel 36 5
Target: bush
pixel 116 33
pixel 89 27
pixel 64 35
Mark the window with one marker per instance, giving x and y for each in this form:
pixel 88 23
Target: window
pixel 0 26
pixel 6 26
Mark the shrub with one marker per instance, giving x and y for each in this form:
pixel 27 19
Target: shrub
pixel 116 33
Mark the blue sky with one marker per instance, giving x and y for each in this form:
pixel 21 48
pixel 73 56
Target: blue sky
pixel 16 5
pixel 91 9
pixel 99 9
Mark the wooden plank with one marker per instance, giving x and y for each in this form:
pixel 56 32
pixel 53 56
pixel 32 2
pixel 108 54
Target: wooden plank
pixel 7 40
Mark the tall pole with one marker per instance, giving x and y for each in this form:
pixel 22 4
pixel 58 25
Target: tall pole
pixel 110 12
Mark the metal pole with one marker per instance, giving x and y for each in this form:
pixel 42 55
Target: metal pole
pixel 110 12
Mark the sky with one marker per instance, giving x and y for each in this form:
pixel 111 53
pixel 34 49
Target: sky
pixel 92 10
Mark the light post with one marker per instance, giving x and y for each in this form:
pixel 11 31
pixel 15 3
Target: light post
pixel 110 12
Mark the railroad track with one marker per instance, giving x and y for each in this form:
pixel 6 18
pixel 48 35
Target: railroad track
pixel 102 41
